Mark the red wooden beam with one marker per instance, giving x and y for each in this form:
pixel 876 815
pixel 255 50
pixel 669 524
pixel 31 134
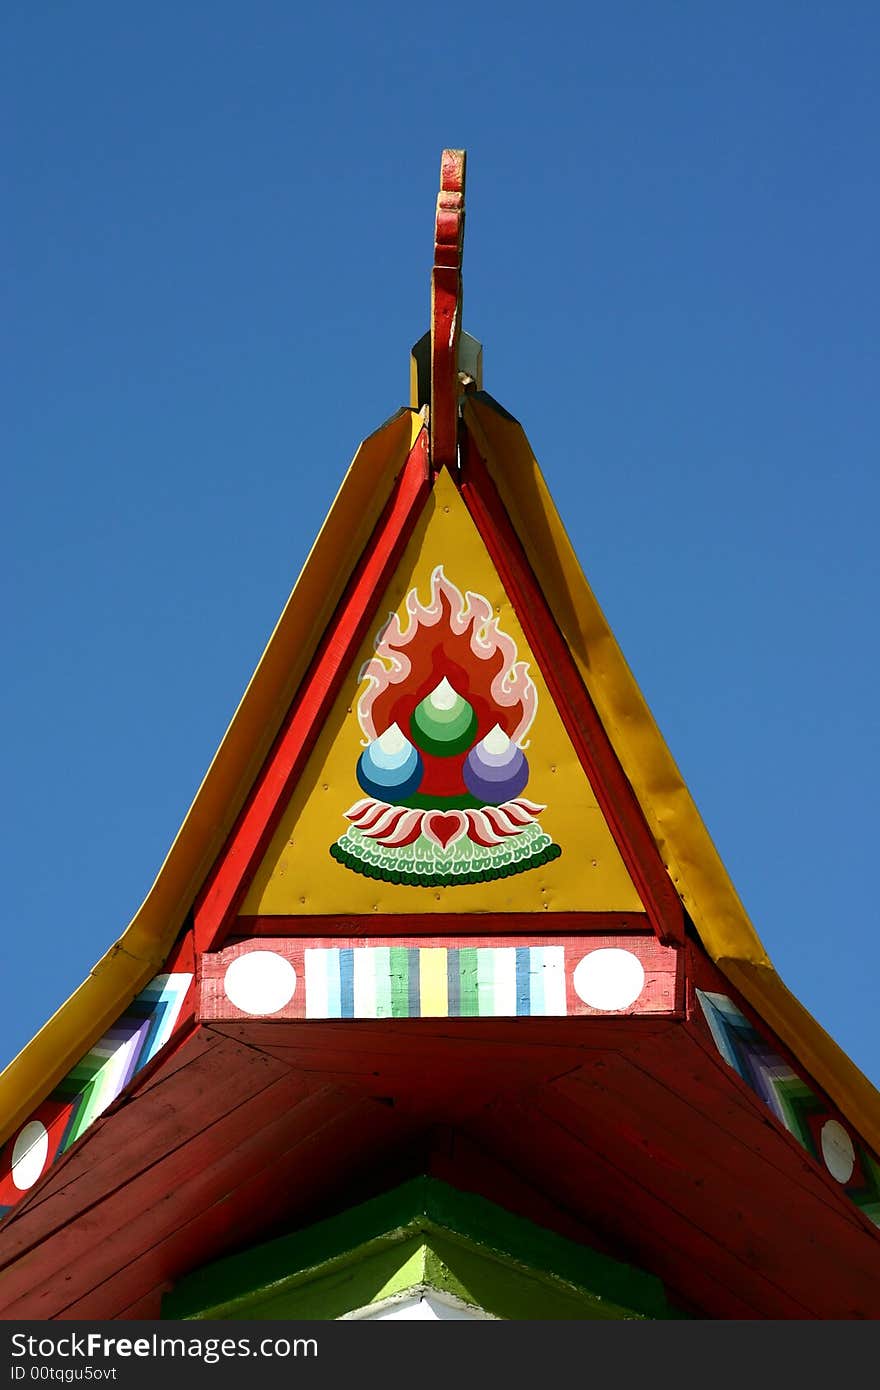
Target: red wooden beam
pixel 442 924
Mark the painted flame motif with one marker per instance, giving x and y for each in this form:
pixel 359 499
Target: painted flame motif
pixel 454 638
pixel 444 712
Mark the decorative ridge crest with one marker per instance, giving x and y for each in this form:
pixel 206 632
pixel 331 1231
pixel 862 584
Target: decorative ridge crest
pixel 446 293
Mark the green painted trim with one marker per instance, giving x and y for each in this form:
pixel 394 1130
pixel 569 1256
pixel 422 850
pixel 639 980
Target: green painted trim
pixel 393 1270
pixel 511 1292
pixel 428 1263
pixel 477 1242
pixel 399 982
pixel 468 962
pixel 440 1275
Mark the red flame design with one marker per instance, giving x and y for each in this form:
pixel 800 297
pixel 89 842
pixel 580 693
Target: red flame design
pixel 457 638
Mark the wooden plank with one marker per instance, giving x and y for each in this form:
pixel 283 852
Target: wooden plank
pixel 404 1068
pixel 417 1068
pixel 41 1246
pixel 197 1042
pixel 442 924
pixel 294 1178
pixel 641 1164
pixel 462 1045
pixel 147 1306
pixel 635 1220
pixel 710 1178
pixel 186 1100
pixel 449 1156
pixel 422 1087
pixel 465 1165
pixel 561 1034
pixel 151 1208
pixel 432 1065
pixel 690 1070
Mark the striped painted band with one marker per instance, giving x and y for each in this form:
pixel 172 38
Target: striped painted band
pixel 435 982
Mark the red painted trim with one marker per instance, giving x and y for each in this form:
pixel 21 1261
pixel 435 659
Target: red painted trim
pixel 227 883
pixel 652 953
pixel 444 923
pixel 182 956
pixel 613 792
pixel 446 309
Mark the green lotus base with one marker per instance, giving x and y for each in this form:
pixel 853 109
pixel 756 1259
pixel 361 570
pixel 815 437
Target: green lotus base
pixel 424 865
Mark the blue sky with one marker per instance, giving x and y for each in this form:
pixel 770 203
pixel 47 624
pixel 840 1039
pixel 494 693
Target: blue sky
pixel 217 242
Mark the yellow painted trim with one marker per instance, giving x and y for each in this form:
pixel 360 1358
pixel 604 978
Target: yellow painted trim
pixel 681 837
pixel 433 983
pixel 144 945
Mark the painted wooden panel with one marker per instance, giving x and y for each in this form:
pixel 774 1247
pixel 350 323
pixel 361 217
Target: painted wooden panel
pixel 133 1041
pixel 231 1143
pixel 442 1071
pixel 443 778
pixel 596 1180
pixel 763 1065
pixel 332 1267
pixel 261 1161
pixel 439 977
pixel 738 1211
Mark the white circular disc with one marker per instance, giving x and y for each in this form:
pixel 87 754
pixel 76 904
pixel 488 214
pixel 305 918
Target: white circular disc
pixel 609 979
pixel 260 982
pixel 29 1154
pixel 837 1151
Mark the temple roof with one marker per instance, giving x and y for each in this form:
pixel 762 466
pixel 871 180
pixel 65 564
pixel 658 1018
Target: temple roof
pixel 370 956
pixel 682 840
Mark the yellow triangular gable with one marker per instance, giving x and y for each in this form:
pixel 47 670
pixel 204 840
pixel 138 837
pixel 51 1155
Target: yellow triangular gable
pixel 513 826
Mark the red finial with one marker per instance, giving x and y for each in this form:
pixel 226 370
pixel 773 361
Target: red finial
pixel 446 309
